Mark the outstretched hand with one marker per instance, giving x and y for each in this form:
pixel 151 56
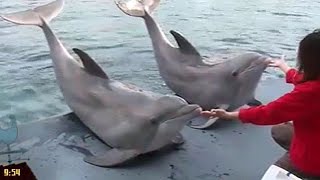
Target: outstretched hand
pixel 219 113
pixel 279 63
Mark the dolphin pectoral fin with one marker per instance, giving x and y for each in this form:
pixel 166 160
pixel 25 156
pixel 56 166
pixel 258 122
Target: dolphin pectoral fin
pixel 35 16
pixel 178 139
pixel 90 65
pixel 185 46
pixel 254 102
pixel 210 122
pixel 112 157
pixel 189 102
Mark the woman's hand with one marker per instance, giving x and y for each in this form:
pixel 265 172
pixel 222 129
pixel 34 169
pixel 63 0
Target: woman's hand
pixel 220 113
pixel 277 62
pixel 280 63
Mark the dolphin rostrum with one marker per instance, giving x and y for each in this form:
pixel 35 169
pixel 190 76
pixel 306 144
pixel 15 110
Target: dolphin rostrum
pixel 129 119
pixel 227 84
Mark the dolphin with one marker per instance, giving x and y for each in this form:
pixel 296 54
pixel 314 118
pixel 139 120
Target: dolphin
pixel 129 119
pixel 227 84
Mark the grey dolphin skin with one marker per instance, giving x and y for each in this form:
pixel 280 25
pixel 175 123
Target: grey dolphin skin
pixel 227 84
pixel 131 120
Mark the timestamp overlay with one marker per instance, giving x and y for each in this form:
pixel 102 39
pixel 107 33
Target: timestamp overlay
pixel 16 171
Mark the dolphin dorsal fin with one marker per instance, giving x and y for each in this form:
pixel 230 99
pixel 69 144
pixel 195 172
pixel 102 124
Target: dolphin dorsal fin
pixel 90 65
pixel 185 46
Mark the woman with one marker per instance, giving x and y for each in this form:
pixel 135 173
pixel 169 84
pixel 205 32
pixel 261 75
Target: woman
pixel 301 106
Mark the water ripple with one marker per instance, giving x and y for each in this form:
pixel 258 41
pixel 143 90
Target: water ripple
pixel 289 14
pixel 37 57
pixel 107 47
pixel 235 40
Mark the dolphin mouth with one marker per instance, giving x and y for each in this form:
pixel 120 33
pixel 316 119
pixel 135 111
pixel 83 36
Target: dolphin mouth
pixel 257 65
pixel 250 68
pixel 190 109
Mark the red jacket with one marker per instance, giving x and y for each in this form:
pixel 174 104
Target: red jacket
pixel 302 106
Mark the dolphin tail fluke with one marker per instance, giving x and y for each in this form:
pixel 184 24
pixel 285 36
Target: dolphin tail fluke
pixel 137 8
pixel 36 16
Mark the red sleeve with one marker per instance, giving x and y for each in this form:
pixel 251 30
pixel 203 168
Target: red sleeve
pixel 293 76
pixel 289 107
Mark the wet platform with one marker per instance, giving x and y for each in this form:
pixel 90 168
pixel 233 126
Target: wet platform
pixel 56 146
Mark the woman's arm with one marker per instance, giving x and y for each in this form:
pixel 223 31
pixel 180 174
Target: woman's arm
pixel 221 113
pixel 291 106
pixel 292 75
pixel 281 64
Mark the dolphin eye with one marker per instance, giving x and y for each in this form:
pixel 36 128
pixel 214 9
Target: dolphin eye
pixel 235 73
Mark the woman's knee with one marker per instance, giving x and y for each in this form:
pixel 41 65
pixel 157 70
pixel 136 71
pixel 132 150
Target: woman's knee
pixel 282 134
pixel 284 162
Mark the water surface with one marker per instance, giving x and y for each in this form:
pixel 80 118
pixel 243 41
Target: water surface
pixel 120 44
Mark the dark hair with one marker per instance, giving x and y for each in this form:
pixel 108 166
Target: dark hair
pixel 309 56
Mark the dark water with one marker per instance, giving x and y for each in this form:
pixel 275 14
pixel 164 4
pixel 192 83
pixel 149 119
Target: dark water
pixel 120 44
